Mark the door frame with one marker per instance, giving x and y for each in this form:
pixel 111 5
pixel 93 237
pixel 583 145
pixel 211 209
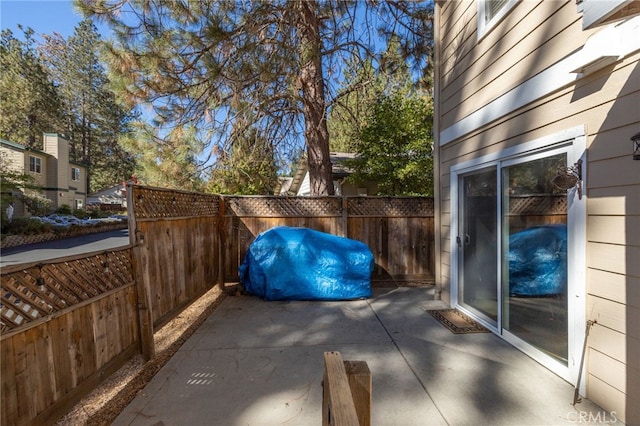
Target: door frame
pixel 574 141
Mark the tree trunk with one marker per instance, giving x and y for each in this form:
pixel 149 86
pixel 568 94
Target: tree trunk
pixel 312 87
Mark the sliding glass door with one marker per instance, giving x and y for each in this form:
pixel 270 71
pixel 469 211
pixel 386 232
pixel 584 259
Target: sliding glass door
pixel 517 255
pixel 534 254
pixel 477 244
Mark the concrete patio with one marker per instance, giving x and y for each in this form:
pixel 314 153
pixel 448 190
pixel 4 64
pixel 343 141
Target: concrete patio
pixel 260 363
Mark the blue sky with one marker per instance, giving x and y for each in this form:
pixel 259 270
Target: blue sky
pixel 43 16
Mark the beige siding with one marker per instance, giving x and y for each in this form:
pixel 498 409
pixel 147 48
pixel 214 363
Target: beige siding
pixel 612 286
pixel 15 159
pixel 614 201
pixel 534 36
pixel 55 176
pixel 78 189
pixel 508 57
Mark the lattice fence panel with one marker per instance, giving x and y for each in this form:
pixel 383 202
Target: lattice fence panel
pixel 45 289
pixel 537 205
pixel 154 203
pixel 390 206
pixel 283 206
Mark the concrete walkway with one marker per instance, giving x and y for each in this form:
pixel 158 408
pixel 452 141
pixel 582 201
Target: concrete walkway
pixel 260 363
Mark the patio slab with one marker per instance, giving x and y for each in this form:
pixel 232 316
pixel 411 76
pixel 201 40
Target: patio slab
pixel 260 363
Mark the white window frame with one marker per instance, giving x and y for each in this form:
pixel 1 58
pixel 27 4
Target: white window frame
pixel 37 164
pixel 572 140
pixel 75 174
pixel 484 26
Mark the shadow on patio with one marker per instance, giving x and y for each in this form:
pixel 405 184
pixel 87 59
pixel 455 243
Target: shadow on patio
pixel 260 363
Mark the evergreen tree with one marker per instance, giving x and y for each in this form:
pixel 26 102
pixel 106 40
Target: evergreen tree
pixel 93 119
pixel 347 116
pixel 197 62
pixel 30 105
pixel 170 164
pixel 249 169
pixel 362 87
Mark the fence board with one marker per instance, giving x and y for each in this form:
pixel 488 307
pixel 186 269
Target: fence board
pixel 9 387
pixel 49 363
pixel 390 226
pixel 181 247
pixel 65 375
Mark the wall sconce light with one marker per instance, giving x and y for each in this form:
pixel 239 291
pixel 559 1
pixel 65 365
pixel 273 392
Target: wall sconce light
pixel 636 146
pixel 569 177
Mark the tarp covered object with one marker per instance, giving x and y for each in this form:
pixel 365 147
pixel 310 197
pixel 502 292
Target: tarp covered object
pixel 286 263
pixel 538 261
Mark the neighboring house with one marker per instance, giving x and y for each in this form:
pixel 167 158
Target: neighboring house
pixel 62 181
pixel 536 103
pixel 112 198
pixel 300 184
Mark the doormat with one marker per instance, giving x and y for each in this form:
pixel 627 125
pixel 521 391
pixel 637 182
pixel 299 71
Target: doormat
pixel 456 321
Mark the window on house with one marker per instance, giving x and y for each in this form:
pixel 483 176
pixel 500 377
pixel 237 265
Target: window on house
pixel 78 204
pixel 35 164
pixel 75 174
pixel 490 12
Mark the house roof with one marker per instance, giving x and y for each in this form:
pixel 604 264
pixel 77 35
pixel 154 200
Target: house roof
pixel 21 147
pixel 338 169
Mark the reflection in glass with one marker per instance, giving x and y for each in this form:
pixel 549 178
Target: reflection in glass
pixel 534 263
pixel 477 243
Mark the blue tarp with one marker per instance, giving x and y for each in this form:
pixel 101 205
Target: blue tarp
pixel 538 261
pixel 286 263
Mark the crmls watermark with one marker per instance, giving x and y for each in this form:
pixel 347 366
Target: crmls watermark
pixel 600 417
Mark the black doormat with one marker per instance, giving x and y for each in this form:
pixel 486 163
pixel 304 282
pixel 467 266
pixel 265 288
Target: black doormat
pixel 456 321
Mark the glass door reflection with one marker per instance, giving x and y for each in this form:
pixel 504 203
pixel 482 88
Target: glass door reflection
pixel 477 243
pixel 534 250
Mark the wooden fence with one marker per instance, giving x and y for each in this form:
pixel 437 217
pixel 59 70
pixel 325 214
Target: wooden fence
pixel 526 211
pixel 67 324
pixel 398 230
pixel 176 252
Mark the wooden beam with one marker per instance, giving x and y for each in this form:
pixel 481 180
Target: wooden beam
pixel 139 261
pixel 338 408
pixel 360 384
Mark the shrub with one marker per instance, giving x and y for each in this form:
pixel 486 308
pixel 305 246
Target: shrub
pixel 37 204
pixel 64 209
pixel 80 214
pixel 25 226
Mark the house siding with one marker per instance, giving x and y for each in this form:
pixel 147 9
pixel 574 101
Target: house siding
pixel 470 74
pixel 55 177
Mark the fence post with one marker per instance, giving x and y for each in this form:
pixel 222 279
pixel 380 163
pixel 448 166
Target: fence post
pixel 344 220
pixel 143 292
pixel 222 241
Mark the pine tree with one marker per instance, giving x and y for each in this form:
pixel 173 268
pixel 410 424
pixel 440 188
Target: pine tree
pixel 197 62
pixel 30 105
pixel 94 120
pixel 168 161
